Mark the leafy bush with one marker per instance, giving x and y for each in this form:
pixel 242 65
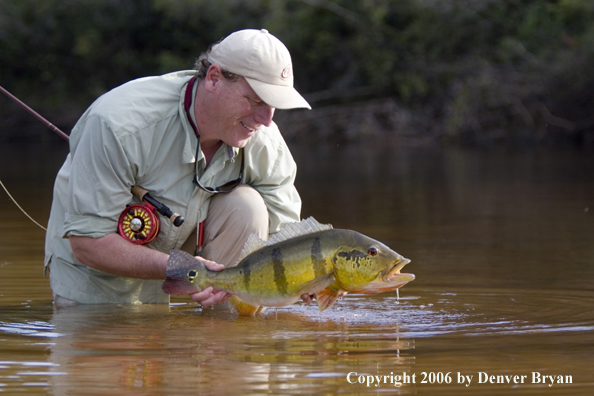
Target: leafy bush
pixel 458 70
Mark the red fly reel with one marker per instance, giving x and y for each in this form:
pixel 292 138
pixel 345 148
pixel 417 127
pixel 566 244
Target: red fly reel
pixel 139 223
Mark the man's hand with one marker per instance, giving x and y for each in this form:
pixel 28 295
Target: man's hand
pixel 308 298
pixel 210 296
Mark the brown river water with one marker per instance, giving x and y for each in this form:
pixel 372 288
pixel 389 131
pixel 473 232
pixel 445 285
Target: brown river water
pixel 501 242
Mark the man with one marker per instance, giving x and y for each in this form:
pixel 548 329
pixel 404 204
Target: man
pixel 180 136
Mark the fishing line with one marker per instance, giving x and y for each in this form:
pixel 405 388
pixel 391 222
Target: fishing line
pixel 19 206
pixel 49 125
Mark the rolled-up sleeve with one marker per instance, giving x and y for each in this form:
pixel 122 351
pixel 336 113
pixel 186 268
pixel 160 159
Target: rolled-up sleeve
pixel 100 181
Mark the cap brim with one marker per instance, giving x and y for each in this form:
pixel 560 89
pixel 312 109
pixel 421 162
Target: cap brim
pixel 278 96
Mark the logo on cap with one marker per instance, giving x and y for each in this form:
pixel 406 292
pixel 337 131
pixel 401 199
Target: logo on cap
pixel 287 71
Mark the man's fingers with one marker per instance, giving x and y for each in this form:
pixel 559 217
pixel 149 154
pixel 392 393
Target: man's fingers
pixel 202 295
pixel 211 265
pixel 209 297
pixel 308 299
pixel 215 298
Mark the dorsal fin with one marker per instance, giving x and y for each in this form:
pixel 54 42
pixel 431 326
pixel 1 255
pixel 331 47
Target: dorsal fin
pixel 253 243
pixel 292 230
pixel 287 231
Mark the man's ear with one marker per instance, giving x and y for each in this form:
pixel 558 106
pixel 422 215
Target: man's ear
pixel 213 77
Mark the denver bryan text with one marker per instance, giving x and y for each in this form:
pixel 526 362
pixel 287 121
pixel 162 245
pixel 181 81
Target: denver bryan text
pixel 534 378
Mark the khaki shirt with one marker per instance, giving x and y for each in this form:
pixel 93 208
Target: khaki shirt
pixel 139 134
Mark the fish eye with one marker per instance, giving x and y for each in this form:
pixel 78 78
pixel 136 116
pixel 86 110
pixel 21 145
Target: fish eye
pixel 373 251
pixel 192 273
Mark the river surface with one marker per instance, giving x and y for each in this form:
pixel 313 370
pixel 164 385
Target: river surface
pixel 501 242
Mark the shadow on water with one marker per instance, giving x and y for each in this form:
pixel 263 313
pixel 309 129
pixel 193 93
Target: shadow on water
pixel 501 243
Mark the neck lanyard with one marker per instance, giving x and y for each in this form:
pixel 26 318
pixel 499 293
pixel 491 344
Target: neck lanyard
pixel 188 103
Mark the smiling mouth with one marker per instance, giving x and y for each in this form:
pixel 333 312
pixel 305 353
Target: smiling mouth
pixel 249 128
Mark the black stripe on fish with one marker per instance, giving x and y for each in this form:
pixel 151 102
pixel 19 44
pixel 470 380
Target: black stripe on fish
pixel 317 258
pixel 246 272
pixel 279 271
pixel 353 255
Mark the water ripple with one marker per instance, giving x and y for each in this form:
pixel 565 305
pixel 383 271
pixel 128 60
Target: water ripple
pixel 469 312
pixel 32 329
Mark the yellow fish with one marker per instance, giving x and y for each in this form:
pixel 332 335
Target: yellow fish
pixel 304 257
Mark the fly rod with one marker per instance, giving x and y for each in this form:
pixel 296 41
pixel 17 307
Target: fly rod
pixel 35 114
pixel 143 195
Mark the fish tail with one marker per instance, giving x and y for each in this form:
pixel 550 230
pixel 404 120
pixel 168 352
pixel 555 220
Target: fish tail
pixel 183 271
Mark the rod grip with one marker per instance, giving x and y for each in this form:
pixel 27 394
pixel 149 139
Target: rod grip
pixel 144 195
pixel 139 192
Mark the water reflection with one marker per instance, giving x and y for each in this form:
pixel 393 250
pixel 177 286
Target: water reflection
pixel 186 350
pixel 208 352
pixel 501 243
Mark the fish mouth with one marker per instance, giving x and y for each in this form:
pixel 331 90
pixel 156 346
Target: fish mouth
pixel 393 274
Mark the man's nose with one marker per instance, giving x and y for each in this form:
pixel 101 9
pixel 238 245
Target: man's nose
pixel 264 115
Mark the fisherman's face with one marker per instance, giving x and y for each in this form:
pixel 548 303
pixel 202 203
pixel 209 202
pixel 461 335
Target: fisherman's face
pixel 238 112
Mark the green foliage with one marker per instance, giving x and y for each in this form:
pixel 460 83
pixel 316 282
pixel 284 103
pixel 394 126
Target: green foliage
pixel 468 66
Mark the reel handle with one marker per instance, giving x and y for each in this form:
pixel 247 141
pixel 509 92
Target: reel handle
pixel 143 194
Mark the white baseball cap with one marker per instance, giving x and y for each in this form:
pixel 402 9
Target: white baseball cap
pixel 265 63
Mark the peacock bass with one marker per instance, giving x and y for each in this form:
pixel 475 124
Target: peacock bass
pixel 304 257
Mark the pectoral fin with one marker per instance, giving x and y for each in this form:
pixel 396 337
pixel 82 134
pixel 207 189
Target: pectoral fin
pixel 244 308
pixel 327 297
pixel 316 284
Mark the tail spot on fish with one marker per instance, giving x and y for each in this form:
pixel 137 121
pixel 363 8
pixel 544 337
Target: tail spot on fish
pixel 192 275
